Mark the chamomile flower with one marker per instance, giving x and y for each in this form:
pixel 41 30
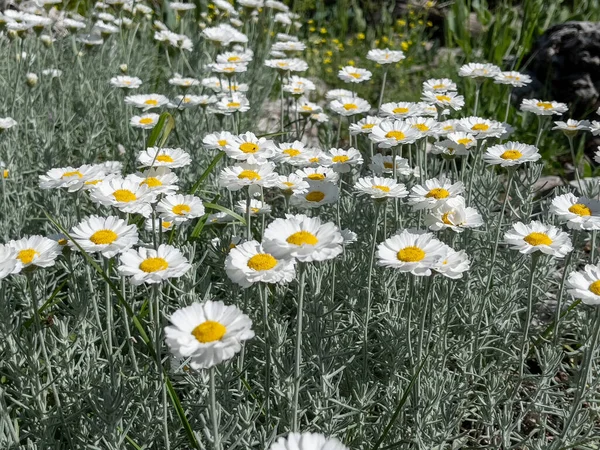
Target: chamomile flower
pixel 38 251
pixel 106 235
pixel 318 194
pixel 439 85
pixel 425 126
pixel 236 102
pixel 290 152
pixel 392 133
pixel 9 264
pixel 165 224
pixel 187 101
pixel 585 284
pixel 218 140
pixel 543 108
pixel 595 127
pixel 319 118
pixel 400 110
pixel 180 208
pixel 410 252
pixel 71 178
pixel 466 140
pixel 453 214
pixel 511 154
pixel 248 263
pixel 126 82
pixel 351 74
pixel 306 108
pixel 364 126
pixel 145 121
pixel 572 127
pixel 284 65
pixel 580 213
pixel 479 71
pixel 146 102
pixel 515 79
pixel 481 128
pixel 537 236
pixel 341 160
pixel 380 188
pixel 446 100
pixel 448 126
pixel 293 184
pixel 229 69
pixel 181 7
pixel 151 266
pixel 385 56
pixel 449 149
pixel 236 177
pixel 234 58
pixel 183 82
pixel 336 94
pixel 307 441
pixel 452 264
pixel 381 164
pixel 160 180
pixel 164 157
pixel 318 173
pixel 289 46
pixel 433 193
pixel 304 238
pixel 126 195
pixel 349 106
pixel 248 147
pixel 257 208
pixel 208 333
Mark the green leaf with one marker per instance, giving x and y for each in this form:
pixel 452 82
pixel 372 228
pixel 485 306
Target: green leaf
pixel 163 128
pixel 207 172
pixel 225 210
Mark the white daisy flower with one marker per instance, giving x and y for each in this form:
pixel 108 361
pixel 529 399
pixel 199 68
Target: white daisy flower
pixel 453 214
pixel 400 110
pixel 151 266
pixel 572 127
pixel 580 213
pixel 164 157
pixel 318 194
pixel 452 264
pixel 126 82
pixel 218 140
pixel 106 235
pixel 538 237
pixel 306 108
pixel 304 238
pixel 126 195
pixel 319 118
pixel 180 208
pixel 165 224
pixel 9 264
pixel 449 149
pixel 236 177
pixel 336 94
pixel 446 100
pixel 183 82
pixel 380 188
pixel 293 184
pixel 351 74
pixel 381 164
pixel 433 193
pixel 515 79
pixel 479 71
pixel 208 333
pixel 290 152
pixel 180 6
pixel 146 102
pixel 365 125
pixel 236 102
pixel 234 58
pixel 543 108
pixel 248 263
pixel 319 173
pixel 275 4
pixel 307 441
pixel 467 140
pixel 481 128
pixel 314 158
pixel 188 101
pixel 392 133
pixel 289 46
pixel 349 106
pixel 71 178
pixel 511 154
pixel 585 284
pixel 257 207
pixel 287 64
pixel 229 68
pixel 341 160
pixel 426 126
pixel 385 56
pixel 247 147
pixel 145 121
pixel 38 251
pixel 595 127
pixel 439 85
pixel 410 252
pixel 448 126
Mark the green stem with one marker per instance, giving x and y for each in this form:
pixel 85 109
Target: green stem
pixel 382 89
pixel 213 410
pixel 525 340
pixel 264 297
pixel 298 361
pixel 369 292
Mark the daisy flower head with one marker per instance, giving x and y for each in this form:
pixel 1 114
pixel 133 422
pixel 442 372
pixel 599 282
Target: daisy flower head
pixel 145 121
pixel 439 85
pixel 365 125
pixel 306 108
pixel 34 251
pixel 218 140
pixel 146 102
pixel 433 193
pixel 181 7
pixel 257 208
pixel 380 188
pixel 425 126
pixel 349 106
pixel 71 178
pixel 448 126
pixel 480 128
pixel 319 193
pixel 385 56
pixel 229 69
pixel 341 160
pixel 289 46
pixel 319 173
pixel 400 110
pixel 350 74
pixel 453 214
pixel 392 133
pixel 479 71
pixel 180 208
pixel 234 58
pixel 511 154
pixel 155 227
pixel 236 102
pixel 292 184
pixel 188 101
pixel 247 147
pixel 290 152
pixel 9 264
pixel 585 285
pixel 410 252
pixel 515 79
pixel 336 94
pixel 249 263
pixel 537 236
pixel 244 174
pixel 172 158
pixel 446 100
pixel 183 82
pixel 595 127
pixel 126 82
pixel 381 164
pixel 467 140
pixel 284 65
pixel 319 118
pixel 304 238
pixel 126 195
pixel 151 266
pixel 106 235
pixel 208 333
pixel 277 5
pixel 449 149
pixel 580 213
pixel 307 441
pixel 452 264
pixel 543 108
pixel 571 127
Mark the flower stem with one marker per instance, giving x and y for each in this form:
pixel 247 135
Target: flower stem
pixel 575 165
pixel 524 342
pixel 561 290
pixel 382 89
pixel 264 297
pixel 297 374
pixel 213 410
pixel 369 292
pixel 507 105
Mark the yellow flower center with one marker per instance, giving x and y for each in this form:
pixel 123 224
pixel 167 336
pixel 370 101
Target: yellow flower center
pixel 164 158
pixel 445 218
pixel 288 184
pixel 146 120
pixel 209 331
pixel 400 110
pixel 544 105
pixel 368 126
pixel 152 182
pixel 443 98
pixel 381 187
pixel 398 135
pixel 229 69
pixel 255 210
pixel 124 195
pixel 536 239
pixel 438 86
pixel 306 108
pixel 302 238
pixel 233 104
pixel 291 152
pixel 511 154
pixel 316 176
pixel 464 141
pixel 154 265
pixel 103 237
pixel 248 147
pixel 421 127
pixel 75 173
pixel 437 193
pixel 315 196
pixel 595 287
pixel 480 127
pixel 355 75
pixel 92 182
pixel 314 160
pixel 340 159
pixel 580 209
pixel 262 261
pixel 410 254
pixel 233 59
pixel 151 101
pixel 249 175
pixel 388 165
pixel 26 256
pixel 181 209
pixel 222 143
pixel 166 224
pixel 350 106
